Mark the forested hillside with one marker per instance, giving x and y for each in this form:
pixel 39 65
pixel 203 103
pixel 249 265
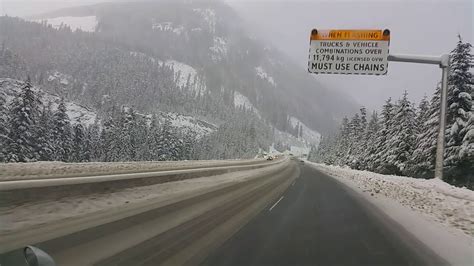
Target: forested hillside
pixel 153 58
pixel 401 138
pixel 132 50
pixel 179 57
pixel 39 126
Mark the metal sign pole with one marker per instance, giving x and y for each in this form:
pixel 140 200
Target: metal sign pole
pixel 443 62
pixel 442 117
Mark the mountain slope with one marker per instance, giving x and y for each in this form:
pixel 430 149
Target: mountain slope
pixel 183 57
pixel 208 36
pixel 86 116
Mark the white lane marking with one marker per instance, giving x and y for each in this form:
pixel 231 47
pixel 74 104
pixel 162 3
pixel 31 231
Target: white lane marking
pixel 293 183
pixel 276 203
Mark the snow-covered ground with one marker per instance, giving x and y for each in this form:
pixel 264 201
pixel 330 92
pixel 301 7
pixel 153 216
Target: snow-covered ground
pixel 88 23
pixel 309 135
pixel 18 217
pixel 183 122
pixel 438 214
pixel 187 75
pixel 242 101
pixel 438 200
pixel 184 74
pixel 263 75
pixel 298 147
pixel 219 49
pixel 167 27
pixel 57 76
pixel 76 112
pixel 209 17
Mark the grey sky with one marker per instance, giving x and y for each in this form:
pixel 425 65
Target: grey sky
pixel 417 27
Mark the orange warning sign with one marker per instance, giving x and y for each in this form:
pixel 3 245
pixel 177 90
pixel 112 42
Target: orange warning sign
pixel 362 35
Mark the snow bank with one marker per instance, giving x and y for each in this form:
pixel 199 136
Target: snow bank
pixel 88 23
pixel 438 201
pixel 263 75
pixel 311 136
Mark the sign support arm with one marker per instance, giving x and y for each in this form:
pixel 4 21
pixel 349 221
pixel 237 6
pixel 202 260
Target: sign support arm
pixel 443 62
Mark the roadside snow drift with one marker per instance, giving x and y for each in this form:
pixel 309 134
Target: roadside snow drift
pixel 446 204
pixel 436 213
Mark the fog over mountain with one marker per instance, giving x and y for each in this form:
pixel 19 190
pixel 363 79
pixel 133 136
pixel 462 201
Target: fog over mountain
pixel 286 25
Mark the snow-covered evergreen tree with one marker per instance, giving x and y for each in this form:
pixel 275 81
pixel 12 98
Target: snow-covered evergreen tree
pixel 168 143
pixel 422 114
pixel 45 134
pixel 153 139
pixel 126 146
pixel 79 153
pixel 379 157
pixel 466 154
pixel 62 133
pixel 341 149
pixel 24 115
pixel 93 141
pixel 358 145
pixel 422 161
pixel 460 98
pixel 370 137
pixel 354 134
pixel 4 128
pixel 109 138
pixel 403 135
pixel 188 149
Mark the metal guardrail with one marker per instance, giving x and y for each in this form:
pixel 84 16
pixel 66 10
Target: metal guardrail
pixel 49 182
pixel 24 191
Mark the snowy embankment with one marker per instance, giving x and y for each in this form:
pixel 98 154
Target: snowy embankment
pixel 446 223
pixel 22 171
pixel 449 205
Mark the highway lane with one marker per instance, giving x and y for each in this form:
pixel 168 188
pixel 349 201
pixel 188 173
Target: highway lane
pixel 319 221
pixel 179 230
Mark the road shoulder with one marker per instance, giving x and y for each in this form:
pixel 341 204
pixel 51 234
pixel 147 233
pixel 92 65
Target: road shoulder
pixel 415 230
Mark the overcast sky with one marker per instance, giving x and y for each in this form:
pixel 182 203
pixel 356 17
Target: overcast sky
pixel 417 27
